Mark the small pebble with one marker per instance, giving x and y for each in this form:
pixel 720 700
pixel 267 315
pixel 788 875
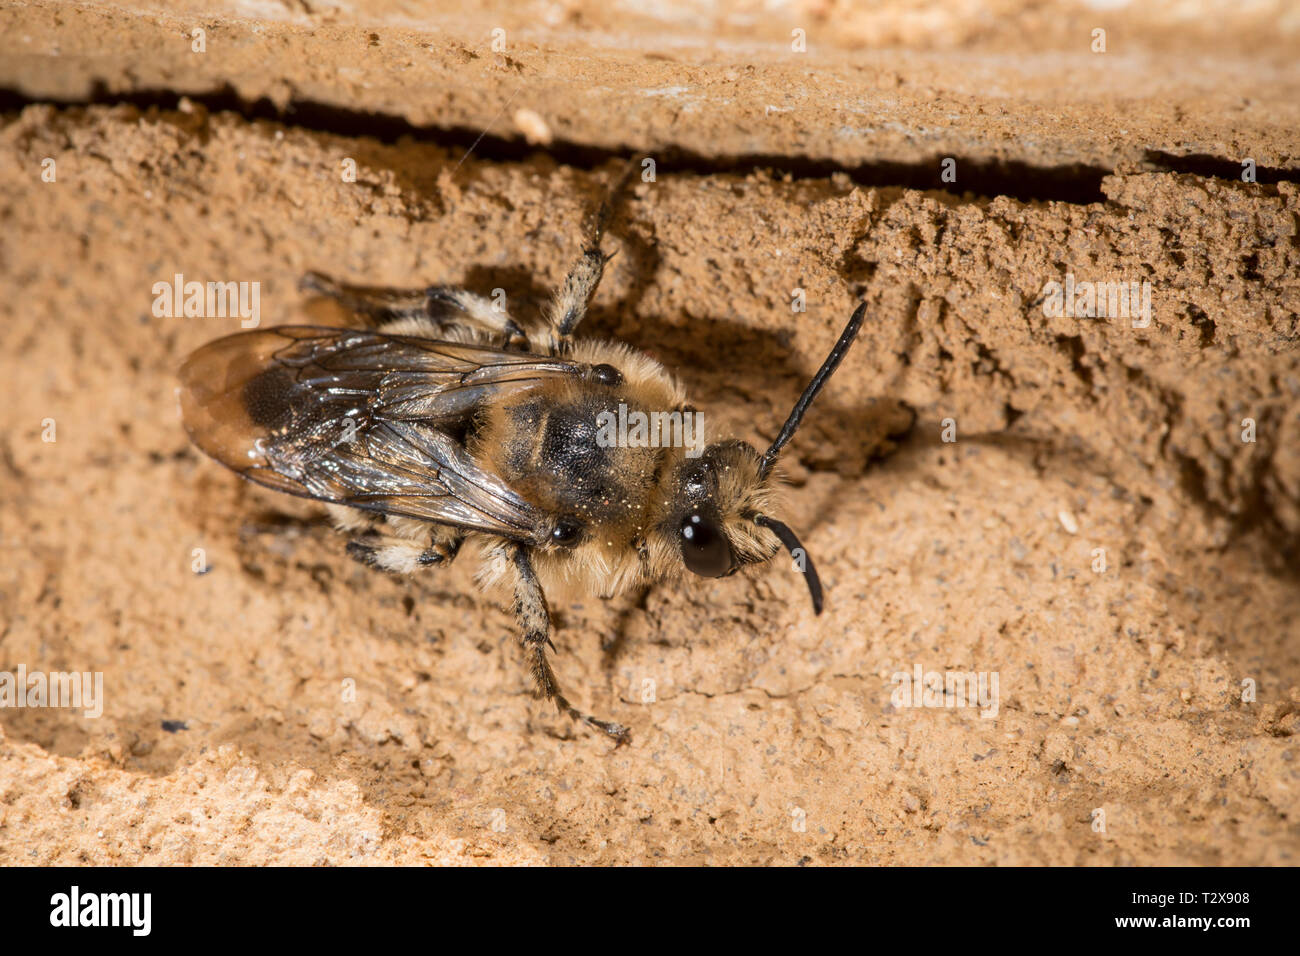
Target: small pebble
pixel 533 127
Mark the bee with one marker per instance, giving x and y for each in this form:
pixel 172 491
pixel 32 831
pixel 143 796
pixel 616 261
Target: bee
pixel 439 422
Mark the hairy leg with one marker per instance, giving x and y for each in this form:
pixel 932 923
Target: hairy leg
pixel 400 545
pixel 437 309
pixel 575 293
pixel 535 623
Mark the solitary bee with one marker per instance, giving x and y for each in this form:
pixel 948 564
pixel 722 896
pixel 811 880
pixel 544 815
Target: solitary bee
pixel 444 422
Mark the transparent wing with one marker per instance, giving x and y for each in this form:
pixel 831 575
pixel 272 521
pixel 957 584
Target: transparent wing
pixel 363 419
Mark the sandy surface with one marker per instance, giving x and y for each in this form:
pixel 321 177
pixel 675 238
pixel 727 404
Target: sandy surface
pixel 225 736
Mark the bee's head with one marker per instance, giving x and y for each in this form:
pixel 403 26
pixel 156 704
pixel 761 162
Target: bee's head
pixel 723 497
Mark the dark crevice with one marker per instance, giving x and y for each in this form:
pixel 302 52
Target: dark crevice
pixel 1074 183
pixel 1250 270
pixel 1203 323
pixel 1075 350
pixel 1214 167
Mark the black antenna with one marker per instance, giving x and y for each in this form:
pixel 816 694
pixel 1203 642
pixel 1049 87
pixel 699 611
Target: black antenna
pixel 792 545
pixel 806 399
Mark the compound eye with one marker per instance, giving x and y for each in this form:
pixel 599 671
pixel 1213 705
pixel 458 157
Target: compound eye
pixel 705 549
pixel 567 531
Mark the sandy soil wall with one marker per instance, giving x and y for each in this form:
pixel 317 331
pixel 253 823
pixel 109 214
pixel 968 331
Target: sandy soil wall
pixel 1162 690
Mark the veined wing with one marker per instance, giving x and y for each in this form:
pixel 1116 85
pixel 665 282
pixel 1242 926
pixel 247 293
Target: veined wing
pixel 362 419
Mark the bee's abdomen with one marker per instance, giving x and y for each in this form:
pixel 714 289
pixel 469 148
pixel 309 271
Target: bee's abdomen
pixel 552 452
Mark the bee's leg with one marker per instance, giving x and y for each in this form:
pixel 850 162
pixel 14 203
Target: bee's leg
pixel 398 554
pixel 400 545
pixel 428 311
pixel 569 305
pixel 535 622
pixel 447 305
